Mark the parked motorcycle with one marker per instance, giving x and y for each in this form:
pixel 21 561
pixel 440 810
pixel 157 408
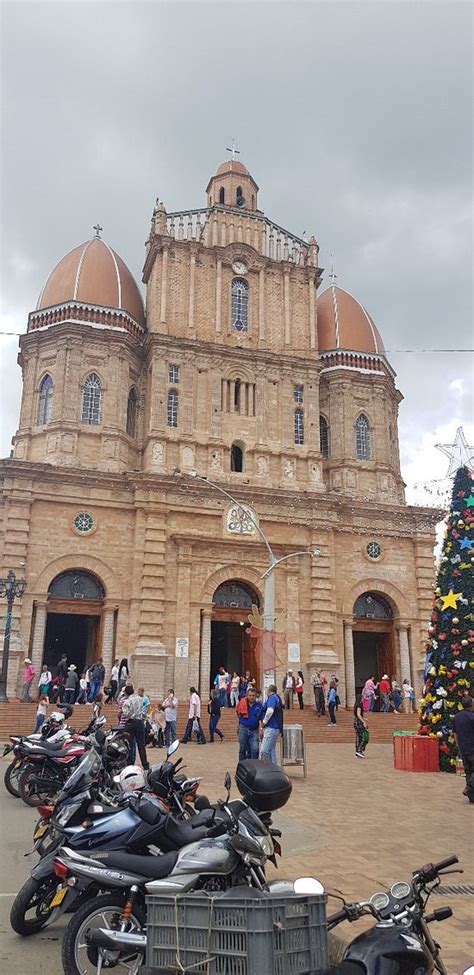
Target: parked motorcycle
pixel 239 841
pixel 54 729
pixel 400 943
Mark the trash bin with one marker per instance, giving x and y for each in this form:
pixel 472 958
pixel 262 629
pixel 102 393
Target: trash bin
pixel 415 753
pixel 293 749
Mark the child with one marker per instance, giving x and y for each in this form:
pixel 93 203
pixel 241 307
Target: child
pixel 82 696
pixel 41 712
pixel 97 708
pixel 408 696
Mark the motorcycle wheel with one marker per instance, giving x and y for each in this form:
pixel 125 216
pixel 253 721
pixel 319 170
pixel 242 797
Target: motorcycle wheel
pixel 12 777
pixel 33 896
pixel 34 793
pixel 78 958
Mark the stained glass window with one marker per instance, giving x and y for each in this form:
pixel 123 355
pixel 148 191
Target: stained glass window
pixel 240 303
pixel 91 400
pixel 172 418
pixel 45 403
pixel 299 426
pixel 323 436
pixel 362 438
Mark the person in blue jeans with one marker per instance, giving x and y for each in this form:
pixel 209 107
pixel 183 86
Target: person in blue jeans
pixel 214 711
pixel 332 695
pixel 272 725
pixel 248 710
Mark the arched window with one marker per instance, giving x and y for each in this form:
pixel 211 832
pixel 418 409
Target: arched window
pixel 372 606
pixel 172 417
pixel 238 193
pixel 240 305
pixel 299 426
pixel 132 412
pixel 91 400
pixel 236 458
pixel 45 403
pixel 222 195
pixel 362 438
pixel 323 436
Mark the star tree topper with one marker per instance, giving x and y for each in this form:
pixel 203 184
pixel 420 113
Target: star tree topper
pixel 460 453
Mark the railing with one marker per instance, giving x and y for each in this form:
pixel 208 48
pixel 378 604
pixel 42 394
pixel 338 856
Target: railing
pixel 219 226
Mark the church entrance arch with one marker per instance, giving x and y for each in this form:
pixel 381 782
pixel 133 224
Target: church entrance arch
pixel 373 638
pixel 74 619
pixel 232 643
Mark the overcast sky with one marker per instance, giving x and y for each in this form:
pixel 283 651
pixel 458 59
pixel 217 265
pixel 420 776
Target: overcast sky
pixel 354 118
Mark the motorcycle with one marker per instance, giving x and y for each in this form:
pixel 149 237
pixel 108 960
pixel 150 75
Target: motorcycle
pixel 141 823
pixel 400 942
pixel 52 730
pixel 239 841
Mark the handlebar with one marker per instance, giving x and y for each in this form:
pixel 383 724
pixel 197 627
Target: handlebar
pixel 337 918
pixel 430 871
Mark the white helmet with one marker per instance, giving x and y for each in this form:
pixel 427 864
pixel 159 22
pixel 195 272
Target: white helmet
pixel 57 716
pixel 131 778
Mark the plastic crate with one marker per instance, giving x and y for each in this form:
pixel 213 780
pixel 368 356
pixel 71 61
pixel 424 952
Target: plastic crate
pixel 214 935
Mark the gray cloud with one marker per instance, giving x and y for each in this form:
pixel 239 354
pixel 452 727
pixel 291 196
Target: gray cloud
pixel 354 118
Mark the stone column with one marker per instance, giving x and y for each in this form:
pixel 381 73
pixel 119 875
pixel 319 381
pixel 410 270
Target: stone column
pixel 38 637
pixel 312 315
pixel 261 306
pixel 404 647
pixel 218 296
pixel 286 293
pixel 349 665
pixel 164 284
pixel 192 269
pixel 205 653
pixel 107 646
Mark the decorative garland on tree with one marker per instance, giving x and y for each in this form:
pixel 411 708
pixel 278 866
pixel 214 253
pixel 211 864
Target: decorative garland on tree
pixel 449 667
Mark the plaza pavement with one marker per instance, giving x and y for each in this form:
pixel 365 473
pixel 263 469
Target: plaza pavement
pixel 356 825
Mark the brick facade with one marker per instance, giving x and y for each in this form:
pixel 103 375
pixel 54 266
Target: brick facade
pixel 160 545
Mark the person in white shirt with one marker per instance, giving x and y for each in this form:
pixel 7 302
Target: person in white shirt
pixel 170 708
pixel 45 679
pixel 194 716
pixel 82 696
pixel 113 686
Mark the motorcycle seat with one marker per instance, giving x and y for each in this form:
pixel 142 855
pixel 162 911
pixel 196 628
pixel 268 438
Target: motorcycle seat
pixel 156 867
pixel 180 833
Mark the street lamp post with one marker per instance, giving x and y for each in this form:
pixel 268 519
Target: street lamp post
pixel 9 587
pixel 268 576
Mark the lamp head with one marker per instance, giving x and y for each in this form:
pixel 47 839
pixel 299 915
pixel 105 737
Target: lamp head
pixel 316 551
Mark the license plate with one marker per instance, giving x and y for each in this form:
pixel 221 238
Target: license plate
pixel 40 831
pixel 58 897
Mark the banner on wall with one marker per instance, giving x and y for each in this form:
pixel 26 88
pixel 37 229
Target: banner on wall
pixel 182 646
pixel 293 653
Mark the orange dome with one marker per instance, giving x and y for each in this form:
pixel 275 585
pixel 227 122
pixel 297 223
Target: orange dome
pixel 232 166
pixel 94 274
pixel 343 323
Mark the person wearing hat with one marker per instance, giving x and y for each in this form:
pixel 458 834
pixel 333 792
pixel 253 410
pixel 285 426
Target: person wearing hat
pixel 27 680
pixel 384 689
pixel 289 685
pixel 71 684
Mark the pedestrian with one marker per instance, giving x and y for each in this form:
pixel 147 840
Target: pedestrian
pixel 396 696
pixel 54 690
pixel 124 673
pixel 289 685
pixel 72 681
pixel 82 696
pixel 170 709
pixel 271 725
pixel 27 680
pixel 214 711
pixel 336 683
pixel 244 683
pixel 194 715
pixel 145 700
pixel 368 694
pixel 96 677
pixel 300 689
pixel 113 683
pixel 332 695
pixel 221 682
pixel 248 711
pixel 318 682
pixel 97 706
pixel 384 688
pixel 234 689
pixel 61 674
pixel 41 712
pixel 155 727
pixel 360 728
pixel 408 696
pixel 464 735
pixel 132 712
pixel 122 697
pixel 44 680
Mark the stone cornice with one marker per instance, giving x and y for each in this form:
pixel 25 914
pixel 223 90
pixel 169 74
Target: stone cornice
pixel 194 348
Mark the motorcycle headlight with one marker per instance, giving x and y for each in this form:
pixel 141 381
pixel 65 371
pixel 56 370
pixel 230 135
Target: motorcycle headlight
pixel 67 813
pixel 266 844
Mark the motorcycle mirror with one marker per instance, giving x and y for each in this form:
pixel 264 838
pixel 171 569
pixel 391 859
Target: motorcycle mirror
pixel 469 971
pixel 173 747
pixel 227 784
pixel 308 885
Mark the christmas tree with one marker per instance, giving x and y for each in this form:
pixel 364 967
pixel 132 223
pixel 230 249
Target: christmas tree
pixel 449 667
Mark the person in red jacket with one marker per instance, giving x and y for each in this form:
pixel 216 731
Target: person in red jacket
pixel 384 689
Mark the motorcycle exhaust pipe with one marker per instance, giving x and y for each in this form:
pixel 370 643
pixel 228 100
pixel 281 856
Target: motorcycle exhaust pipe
pixel 116 940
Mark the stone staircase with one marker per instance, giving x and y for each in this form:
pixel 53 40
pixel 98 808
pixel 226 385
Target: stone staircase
pixel 19 718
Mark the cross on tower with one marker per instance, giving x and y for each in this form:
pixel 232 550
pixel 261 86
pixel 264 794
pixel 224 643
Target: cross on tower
pixel 333 275
pixel 97 229
pixel 235 152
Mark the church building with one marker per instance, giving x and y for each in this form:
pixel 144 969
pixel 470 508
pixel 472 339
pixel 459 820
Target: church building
pixel 241 376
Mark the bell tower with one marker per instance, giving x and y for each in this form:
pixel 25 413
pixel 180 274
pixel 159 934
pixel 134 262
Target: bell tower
pixel 232 187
